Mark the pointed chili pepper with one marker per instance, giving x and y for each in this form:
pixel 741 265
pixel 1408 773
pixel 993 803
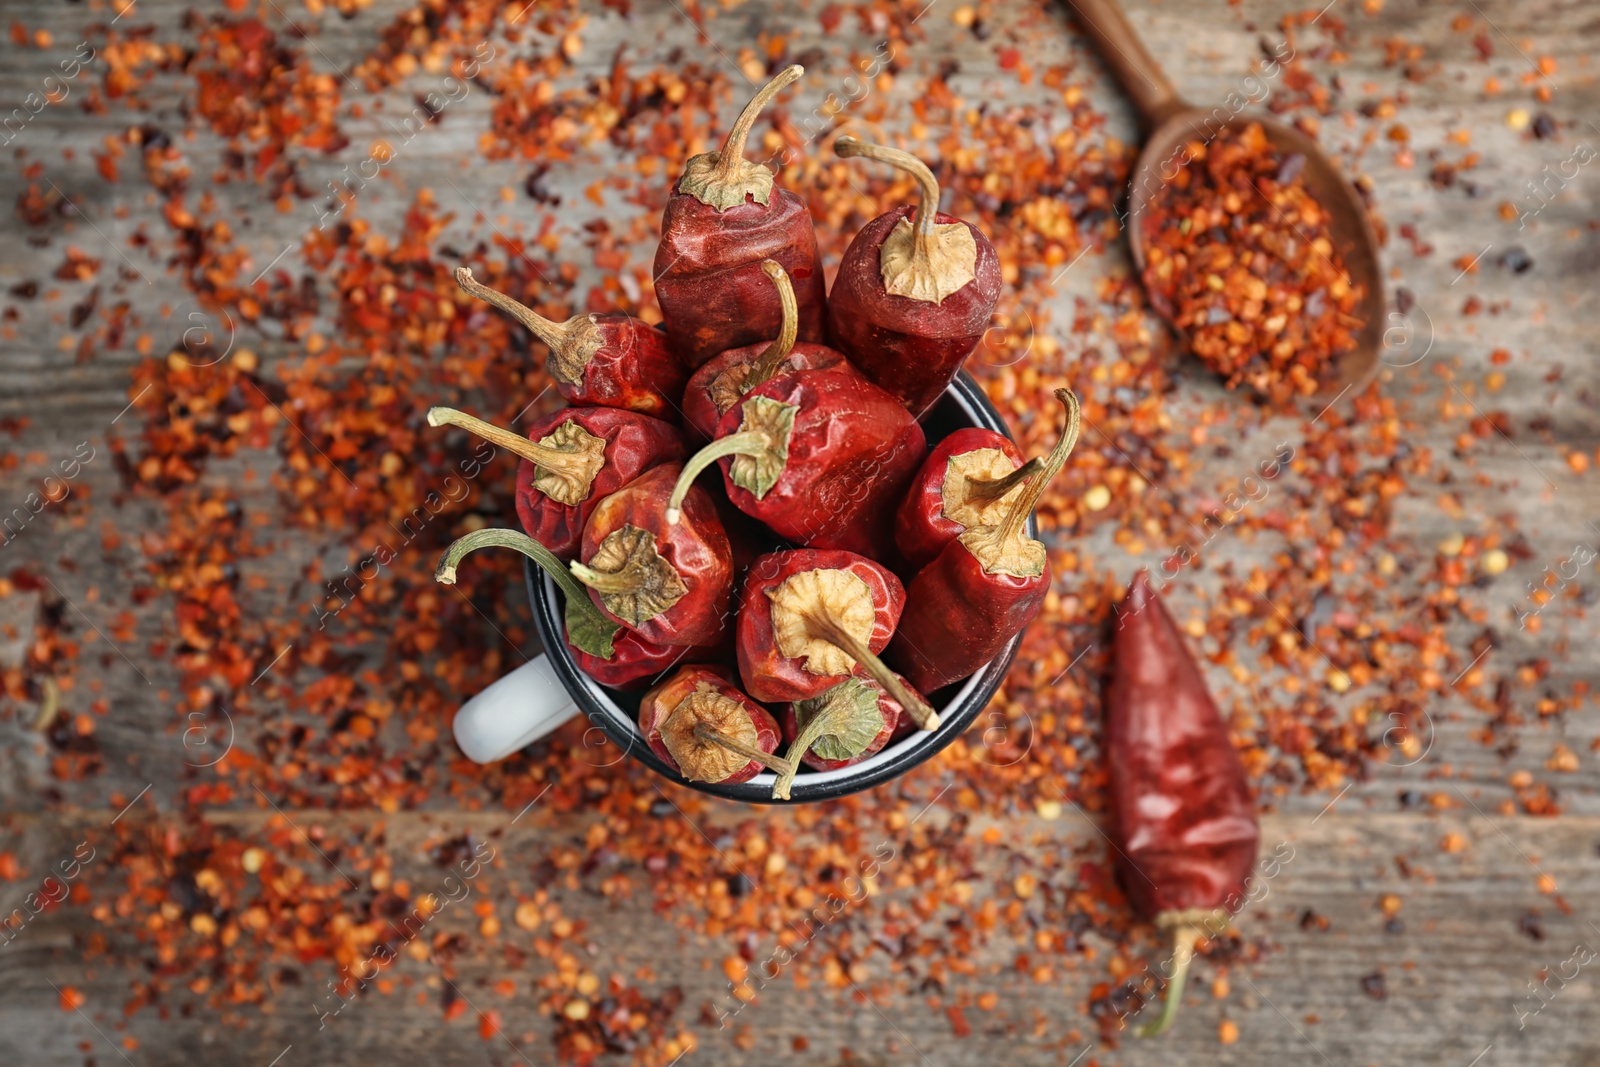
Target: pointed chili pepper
pixel 571 460
pixel 670 582
pixel 607 360
pixel 839 727
pixel 912 299
pixel 704 728
pixel 820 456
pixel 726 216
pixel 604 650
pixel 722 381
pixel 969 479
pixel 808 618
pixel 1182 817
pixel 982 589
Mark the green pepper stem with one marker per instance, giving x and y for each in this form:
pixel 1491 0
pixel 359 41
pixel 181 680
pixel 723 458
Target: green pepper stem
pixel 983 490
pixel 1017 517
pixel 626 580
pixel 555 334
pixel 923 715
pixel 771 762
pixel 749 443
pixel 1184 937
pixel 928 209
pixel 766 364
pixel 810 734
pixel 556 460
pixel 732 153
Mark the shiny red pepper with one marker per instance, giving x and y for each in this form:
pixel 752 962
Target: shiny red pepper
pixel 1182 816
pixel 968 479
pixel 726 216
pixel 605 360
pixel 982 589
pixel 724 380
pixel 821 457
pixel 571 460
pixel 808 618
pixel 911 300
pixel 670 582
pixel 704 728
pixel 839 727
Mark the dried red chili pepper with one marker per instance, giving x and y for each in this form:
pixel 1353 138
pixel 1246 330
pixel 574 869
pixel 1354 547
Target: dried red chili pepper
pixel 839 727
pixel 821 457
pixel 968 479
pixel 704 728
pixel 608 360
pixel 808 618
pixel 725 216
pixel 607 652
pixel 966 606
pixel 571 460
pixel 912 300
pixel 1182 817
pixel 722 381
pixel 671 582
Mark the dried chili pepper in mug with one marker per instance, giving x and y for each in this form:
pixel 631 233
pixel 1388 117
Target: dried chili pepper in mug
pixel 839 727
pixel 724 217
pixel 722 381
pixel 1182 817
pixel 808 618
pixel 821 457
pixel 571 460
pixel 608 360
pixel 982 589
pixel 607 652
pixel 968 479
pixel 670 582
pixel 911 300
pixel 704 728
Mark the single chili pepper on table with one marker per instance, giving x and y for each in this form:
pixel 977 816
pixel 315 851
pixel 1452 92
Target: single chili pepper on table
pixel 571 460
pixel 839 727
pixel 723 380
pixel 1182 817
pixel 821 457
pixel 968 479
pixel 911 300
pixel 604 650
pixel 724 217
pixel 704 728
pixel 808 618
pixel 982 589
pixel 670 582
pixel 603 360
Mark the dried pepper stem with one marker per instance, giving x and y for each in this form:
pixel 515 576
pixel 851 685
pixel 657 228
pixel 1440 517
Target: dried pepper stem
pixel 571 343
pixel 576 466
pixel 766 364
pixel 776 764
pixel 749 443
pixel 828 630
pixel 983 490
pixel 732 154
pixel 722 180
pixel 1184 937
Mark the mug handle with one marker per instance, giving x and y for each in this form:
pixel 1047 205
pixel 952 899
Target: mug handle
pixel 515 711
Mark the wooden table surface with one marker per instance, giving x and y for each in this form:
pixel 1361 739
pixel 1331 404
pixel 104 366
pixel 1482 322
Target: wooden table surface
pixel 1457 968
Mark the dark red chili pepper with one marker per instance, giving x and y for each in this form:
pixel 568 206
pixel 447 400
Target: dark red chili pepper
pixel 808 618
pixel 721 382
pixel 604 650
pixel 606 360
pixel 820 456
pixel 725 216
pixel 671 582
pixel 982 589
pixel 704 728
pixel 912 300
pixel 571 460
pixel 968 479
pixel 1182 817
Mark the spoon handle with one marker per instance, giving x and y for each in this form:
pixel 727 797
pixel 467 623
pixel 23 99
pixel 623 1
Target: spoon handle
pixel 1141 76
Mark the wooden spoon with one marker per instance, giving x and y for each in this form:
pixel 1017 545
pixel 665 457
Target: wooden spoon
pixel 1170 122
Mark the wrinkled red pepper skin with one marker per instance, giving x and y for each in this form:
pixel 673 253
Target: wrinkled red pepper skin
pixel 709 283
pixel 696 546
pixel 700 412
pixel 634 661
pixel 910 347
pixel 851 454
pixel 634 368
pixel 888 707
pixel 921 530
pixel 1182 815
pixel 634 444
pixel 769 675
pixel 958 617
pixel 659 702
